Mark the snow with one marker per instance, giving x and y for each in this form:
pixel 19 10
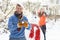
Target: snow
pixel 53 32
pixel 4 35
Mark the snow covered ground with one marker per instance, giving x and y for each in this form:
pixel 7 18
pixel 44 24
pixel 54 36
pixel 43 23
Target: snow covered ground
pixel 52 33
pixel 53 30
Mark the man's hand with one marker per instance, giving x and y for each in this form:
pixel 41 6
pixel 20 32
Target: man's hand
pixel 25 24
pixel 19 24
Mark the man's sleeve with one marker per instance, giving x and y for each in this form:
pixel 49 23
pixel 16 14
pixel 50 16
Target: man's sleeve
pixel 29 25
pixel 11 27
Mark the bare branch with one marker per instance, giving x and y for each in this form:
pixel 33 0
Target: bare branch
pixel 9 13
pixel 6 7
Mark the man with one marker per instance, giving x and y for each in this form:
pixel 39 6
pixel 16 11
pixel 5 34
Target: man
pixel 42 22
pixel 17 24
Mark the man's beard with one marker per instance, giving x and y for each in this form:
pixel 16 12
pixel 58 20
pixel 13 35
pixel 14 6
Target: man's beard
pixel 19 15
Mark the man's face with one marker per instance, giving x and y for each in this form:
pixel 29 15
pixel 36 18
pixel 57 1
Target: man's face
pixel 19 9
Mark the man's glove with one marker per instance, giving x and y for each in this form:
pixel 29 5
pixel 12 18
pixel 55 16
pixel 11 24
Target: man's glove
pixel 25 24
pixel 20 24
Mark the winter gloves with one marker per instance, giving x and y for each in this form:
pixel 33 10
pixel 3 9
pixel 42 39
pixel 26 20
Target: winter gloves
pixel 24 24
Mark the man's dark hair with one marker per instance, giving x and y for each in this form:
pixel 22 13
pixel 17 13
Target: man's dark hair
pixel 19 5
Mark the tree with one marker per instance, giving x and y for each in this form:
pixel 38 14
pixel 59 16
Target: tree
pixel 6 8
pixel 31 6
